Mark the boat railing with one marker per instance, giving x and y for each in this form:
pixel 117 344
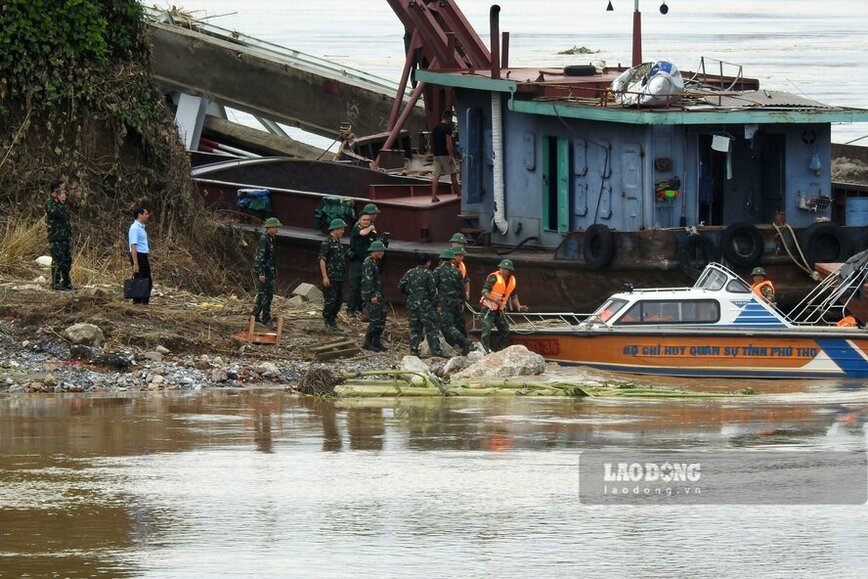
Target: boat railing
pixel 829 300
pixel 718 79
pixel 530 322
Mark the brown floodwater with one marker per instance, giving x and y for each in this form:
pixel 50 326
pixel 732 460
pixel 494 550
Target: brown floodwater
pixel 264 483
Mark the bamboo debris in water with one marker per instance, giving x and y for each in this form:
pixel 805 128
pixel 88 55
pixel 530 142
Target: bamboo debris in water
pixel 372 385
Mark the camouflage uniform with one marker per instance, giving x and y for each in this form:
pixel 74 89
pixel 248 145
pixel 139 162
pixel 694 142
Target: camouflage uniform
pixel 490 317
pixel 332 253
pixel 359 251
pixel 59 242
pixel 418 285
pixel 450 290
pixel 373 287
pixel 263 265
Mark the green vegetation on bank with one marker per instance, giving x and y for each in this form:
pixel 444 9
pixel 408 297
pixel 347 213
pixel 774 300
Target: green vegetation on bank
pixel 77 101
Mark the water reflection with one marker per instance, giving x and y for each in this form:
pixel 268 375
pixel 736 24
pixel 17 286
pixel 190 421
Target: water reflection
pixel 219 481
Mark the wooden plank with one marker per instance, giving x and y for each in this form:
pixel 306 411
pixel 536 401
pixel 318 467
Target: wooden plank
pixel 329 355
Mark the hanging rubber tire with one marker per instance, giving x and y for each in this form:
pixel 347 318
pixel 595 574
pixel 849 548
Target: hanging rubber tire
pixel 697 252
pixel 580 70
pixel 598 247
pixel 825 242
pixel 742 244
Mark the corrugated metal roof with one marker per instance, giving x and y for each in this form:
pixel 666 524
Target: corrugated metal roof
pixel 764 99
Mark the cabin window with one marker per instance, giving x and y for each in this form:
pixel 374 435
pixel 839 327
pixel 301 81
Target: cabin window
pixel 712 280
pixel 556 184
pixel 737 286
pixel 605 312
pixel 653 312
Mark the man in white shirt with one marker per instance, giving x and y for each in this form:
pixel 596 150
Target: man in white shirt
pixel 139 249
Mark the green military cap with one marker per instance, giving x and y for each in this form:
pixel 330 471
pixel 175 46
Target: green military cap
pixel 337 224
pixel 506 264
pixel 758 271
pixel 376 246
pixel 458 250
pixel 271 222
pixel 458 238
pixel 447 254
pixel 370 209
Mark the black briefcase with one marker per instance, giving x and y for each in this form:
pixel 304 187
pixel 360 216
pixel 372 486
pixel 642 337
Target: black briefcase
pixel 137 288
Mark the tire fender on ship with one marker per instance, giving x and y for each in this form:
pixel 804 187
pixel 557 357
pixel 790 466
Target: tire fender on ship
pixel 697 252
pixel 598 247
pixel 824 242
pixel 580 70
pixel 742 244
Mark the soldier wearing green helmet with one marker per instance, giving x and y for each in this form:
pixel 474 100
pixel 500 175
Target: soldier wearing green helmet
pixel 331 266
pixel 372 296
pixel 362 235
pixel 266 272
pixel 450 291
pixel 761 285
pixel 497 293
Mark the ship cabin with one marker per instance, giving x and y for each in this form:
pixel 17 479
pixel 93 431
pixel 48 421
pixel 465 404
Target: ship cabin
pixel 547 152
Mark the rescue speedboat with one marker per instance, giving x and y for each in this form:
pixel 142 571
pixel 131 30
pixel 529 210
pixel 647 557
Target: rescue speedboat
pixel 717 328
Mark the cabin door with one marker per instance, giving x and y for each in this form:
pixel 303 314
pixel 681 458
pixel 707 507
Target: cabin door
pixel 773 176
pixel 712 174
pixel 631 184
pixel 472 163
pixel 556 184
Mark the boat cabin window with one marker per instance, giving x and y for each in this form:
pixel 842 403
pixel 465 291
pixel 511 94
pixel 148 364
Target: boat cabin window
pixel 672 312
pixel 712 280
pixel 738 286
pixel 605 312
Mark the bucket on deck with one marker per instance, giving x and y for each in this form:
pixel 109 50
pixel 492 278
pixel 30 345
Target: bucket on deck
pixel 856 211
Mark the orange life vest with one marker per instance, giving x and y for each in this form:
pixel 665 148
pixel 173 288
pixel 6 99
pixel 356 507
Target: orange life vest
pixel 463 269
pixel 758 288
pixel 498 297
pixel 846 322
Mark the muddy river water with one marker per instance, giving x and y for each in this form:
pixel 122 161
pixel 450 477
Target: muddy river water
pixel 265 483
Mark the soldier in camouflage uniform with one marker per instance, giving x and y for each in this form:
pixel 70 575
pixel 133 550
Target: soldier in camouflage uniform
pixel 450 291
pixel 363 234
pixel 332 267
pixel 459 252
pixel 372 297
pixel 498 293
pixel 263 265
pixel 418 285
pixel 59 236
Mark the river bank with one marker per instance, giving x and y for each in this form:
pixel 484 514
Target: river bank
pixel 181 341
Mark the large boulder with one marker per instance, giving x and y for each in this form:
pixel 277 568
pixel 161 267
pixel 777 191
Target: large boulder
pixel 414 364
pixel 86 334
pixel 512 361
pixel 309 292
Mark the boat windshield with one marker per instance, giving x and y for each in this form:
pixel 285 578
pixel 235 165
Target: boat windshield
pixel 712 280
pixel 605 312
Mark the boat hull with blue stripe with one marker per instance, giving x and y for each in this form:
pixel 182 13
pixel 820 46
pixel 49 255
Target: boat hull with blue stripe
pixel 717 328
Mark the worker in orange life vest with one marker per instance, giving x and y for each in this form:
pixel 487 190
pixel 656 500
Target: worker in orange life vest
pixel 497 293
pixel 762 285
pixel 458 240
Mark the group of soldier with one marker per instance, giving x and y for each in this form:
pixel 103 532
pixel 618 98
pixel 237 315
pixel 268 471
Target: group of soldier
pixel 435 299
